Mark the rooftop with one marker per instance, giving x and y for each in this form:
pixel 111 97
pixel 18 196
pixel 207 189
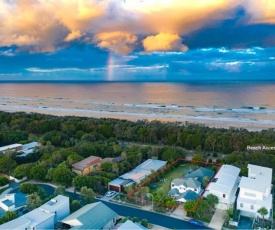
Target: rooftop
pixel 188 195
pixel 54 203
pixel 151 164
pixel 86 162
pixel 98 212
pixel 131 225
pixel 4 148
pixel 30 145
pixel 225 179
pixel 259 178
pixel 200 173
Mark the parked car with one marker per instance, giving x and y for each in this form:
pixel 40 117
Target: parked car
pixel 110 193
pixel 196 223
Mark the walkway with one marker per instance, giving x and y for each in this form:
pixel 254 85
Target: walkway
pixel 218 219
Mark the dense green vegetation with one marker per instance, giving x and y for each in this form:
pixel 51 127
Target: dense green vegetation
pixel 67 140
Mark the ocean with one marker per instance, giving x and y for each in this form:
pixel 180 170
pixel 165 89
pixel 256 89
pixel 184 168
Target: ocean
pixel 239 102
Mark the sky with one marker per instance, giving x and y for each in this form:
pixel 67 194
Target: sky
pixel 137 40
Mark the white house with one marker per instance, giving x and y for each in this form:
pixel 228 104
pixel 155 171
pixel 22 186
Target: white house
pixel 91 216
pixel 13 147
pixel 186 184
pixel 13 202
pixel 224 185
pixel 255 191
pixel 28 149
pixel 43 217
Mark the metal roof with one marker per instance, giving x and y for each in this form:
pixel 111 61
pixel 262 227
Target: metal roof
pixel 4 148
pixel 129 225
pixel 86 162
pixel 188 195
pixel 91 216
pixel 200 173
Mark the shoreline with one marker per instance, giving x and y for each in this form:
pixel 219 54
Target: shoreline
pixel 214 122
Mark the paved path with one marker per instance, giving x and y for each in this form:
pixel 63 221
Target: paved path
pixel 217 219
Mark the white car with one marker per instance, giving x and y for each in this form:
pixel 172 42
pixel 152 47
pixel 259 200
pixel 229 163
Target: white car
pixel 110 193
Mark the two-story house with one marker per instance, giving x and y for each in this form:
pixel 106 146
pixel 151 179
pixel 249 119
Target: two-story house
pixel 255 191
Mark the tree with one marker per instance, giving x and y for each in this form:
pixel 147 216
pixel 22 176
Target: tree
pixel 198 157
pixel 205 181
pixel 75 205
pixel 263 212
pixel 28 188
pixel 62 175
pixel 189 207
pixel 42 193
pixel 8 216
pixel 87 195
pixel 60 190
pixel 33 201
pixel 23 170
pixel 6 164
pixel 3 181
pixel 212 200
pixel 82 181
pixel 38 172
pixel 135 219
pixel 144 223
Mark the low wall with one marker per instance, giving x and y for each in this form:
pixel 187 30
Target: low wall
pixel 18 180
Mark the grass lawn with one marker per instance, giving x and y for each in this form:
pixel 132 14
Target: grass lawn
pixel 175 173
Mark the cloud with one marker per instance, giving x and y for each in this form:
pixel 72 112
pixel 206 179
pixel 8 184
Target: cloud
pixel 261 11
pixel 164 42
pixel 119 25
pixel 118 41
pixel 73 35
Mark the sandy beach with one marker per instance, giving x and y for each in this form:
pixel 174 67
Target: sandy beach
pixel 131 112
pixel 229 106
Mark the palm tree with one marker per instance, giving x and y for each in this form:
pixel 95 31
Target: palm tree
pixel 263 212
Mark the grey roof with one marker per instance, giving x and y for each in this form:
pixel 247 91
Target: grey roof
pixel 151 164
pixel 98 212
pixel 191 183
pixel 129 225
pixel 30 145
pixel 177 181
pixel 17 223
pixel 188 183
pixel 173 192
pixel 86 162
pixel 200 173
pixel 188 195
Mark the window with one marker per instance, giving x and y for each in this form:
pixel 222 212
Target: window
pixel 241 205
pixel 55 214
pixel 252 206
pixel 223 195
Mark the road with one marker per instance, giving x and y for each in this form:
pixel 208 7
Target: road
pixel 152 217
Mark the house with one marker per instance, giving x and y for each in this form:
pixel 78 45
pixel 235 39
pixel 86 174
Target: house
pixel 28 149
pixel 189 187
pixel 183 189
pixel 200 173
pixel 13 147
pixel 183 197
pixel 136 175
pixel 119 184
pixel 13 202
pixel 43 217
pixel 255 192
pixel 87 165
pixel 186 184
pixel 91 216
pixel 224 185
pixel 129 225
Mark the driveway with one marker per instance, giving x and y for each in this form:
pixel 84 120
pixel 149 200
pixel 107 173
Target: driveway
pixel 217 219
